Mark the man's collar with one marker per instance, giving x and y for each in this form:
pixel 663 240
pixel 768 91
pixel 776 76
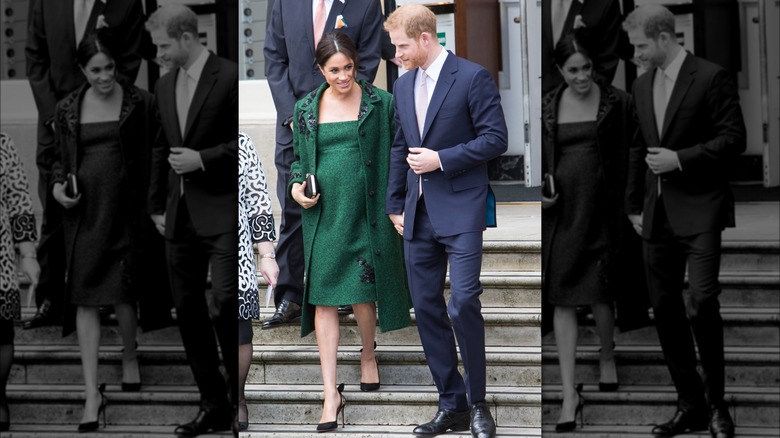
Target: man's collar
pixel 197 66
pixel 673 69
pixel 434 70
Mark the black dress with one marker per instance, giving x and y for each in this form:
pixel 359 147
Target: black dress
pixel 100 270
pixel 579 247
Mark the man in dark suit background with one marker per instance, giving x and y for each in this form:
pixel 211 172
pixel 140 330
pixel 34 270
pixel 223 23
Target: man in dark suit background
pixel 679 201
pixel 449 124
pixel 54 30
pixel 292 73
pixel 597 20
pixel 193 198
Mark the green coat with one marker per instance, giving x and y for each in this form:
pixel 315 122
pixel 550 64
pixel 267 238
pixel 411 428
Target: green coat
pixel 376 128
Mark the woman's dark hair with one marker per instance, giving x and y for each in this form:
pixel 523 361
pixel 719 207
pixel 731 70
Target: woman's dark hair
pixel 570 44
pixel 92 44
pixel 336 42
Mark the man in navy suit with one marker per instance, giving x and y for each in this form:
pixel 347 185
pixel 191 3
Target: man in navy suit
pixel 192 200
pixel 292 73
pixel 449 124
pixel 679 201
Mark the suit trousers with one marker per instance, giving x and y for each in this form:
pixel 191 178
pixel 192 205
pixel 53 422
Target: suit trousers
pixel 682 317
pixel 289 247
pixel 199 315
pixel 426 264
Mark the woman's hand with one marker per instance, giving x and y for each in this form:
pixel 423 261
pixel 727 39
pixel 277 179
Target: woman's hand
pixel 270 270
pixel 298 193
pixel 60 195
pixel 29 263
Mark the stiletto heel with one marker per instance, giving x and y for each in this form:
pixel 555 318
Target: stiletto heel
pixel 243 425
pixel 92 426
pixel 366 387
pixel 610 386
pixel 568 426
pixel 332 425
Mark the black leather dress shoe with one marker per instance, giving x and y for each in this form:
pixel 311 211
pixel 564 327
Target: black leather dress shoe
pixel 482 424
pixel 287 313
pixel 443 421
pixel 41 317
pixel 345 310
pixel 721 425
pixel 204 422
pixel 683 421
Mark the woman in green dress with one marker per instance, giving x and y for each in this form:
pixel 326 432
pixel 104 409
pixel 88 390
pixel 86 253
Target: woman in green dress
pixel 342 134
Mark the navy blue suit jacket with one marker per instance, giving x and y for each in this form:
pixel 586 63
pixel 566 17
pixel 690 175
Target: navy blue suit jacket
pixel 212 193
pixel 704 125
pixel 289 50
pixel 465 124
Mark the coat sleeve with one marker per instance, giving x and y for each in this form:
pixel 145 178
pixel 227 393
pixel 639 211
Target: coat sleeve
pixel 277 63
pixel 159 167
pixel 254 196
pixel 16 193
pixel 297 168
pixel 636 165
pixel 728 138
pixel 396 184
pixel 370 44
pixel 39 65
pixel 484 106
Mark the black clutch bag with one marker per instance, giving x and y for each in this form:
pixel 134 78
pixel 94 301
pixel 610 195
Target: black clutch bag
pixel 312 188
pixel 72 189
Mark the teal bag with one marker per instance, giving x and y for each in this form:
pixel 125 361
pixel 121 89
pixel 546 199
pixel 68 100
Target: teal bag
pixel 491 208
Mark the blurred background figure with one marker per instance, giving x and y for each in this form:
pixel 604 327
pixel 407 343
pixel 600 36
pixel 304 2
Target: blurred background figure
pixel 255 228
pixel 17 231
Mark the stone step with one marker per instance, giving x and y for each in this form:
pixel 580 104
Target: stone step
pixel 753 289
pixel 645 365
pixel 625 431
pixel 741 327
pixel 62 404
pixel 61 364
pixel 503 326
pixel 747 256
pixel 109 335
pixel 511 255
pixel 111 431
pixel 307 431
pixel 398 365
pixel 648 405
pixel 511 406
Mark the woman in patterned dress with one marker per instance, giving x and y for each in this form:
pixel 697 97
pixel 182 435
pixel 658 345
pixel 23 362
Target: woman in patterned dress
pixel 17 228
pixel 105 130
pixel 353 255
pixel 255 227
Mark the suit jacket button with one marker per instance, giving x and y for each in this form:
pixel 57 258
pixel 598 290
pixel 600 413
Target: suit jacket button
pixel 378 252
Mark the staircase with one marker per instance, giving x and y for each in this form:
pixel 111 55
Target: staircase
pixel 284 391
pixel 750 307
pixel 45 388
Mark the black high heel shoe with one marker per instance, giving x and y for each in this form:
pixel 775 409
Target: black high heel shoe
pixel 134 386
pixel 332 425
pixel 243 425
pixel 568 426
pixel 92 426
pixel 367 387
pixel 609 386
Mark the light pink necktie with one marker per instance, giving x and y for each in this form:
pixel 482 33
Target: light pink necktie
pixel 320 17
pixel 80 18
pixel 421 102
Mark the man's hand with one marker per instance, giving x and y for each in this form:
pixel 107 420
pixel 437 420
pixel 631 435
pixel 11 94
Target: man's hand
pixel 184 160
pixel 159 222
pixel 636 222
pixel 423 160
pixel 661 160
pixel 60 195
pixel 398 222
pixel 299 195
